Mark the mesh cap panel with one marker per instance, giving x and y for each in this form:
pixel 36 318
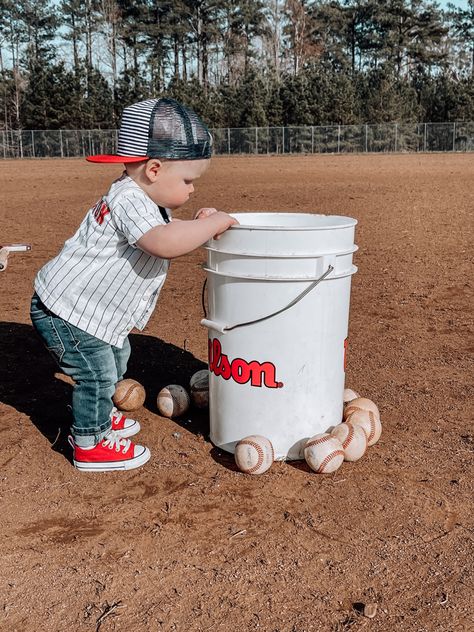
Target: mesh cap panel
pixel 159 128
pixel 176 132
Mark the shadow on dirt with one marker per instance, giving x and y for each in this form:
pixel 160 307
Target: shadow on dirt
pixel 30 380
pixel 224 459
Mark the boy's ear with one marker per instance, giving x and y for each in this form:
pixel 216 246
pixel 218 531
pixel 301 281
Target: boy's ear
pixel 153 169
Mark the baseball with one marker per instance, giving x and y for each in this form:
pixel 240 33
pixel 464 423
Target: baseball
pixel 349 395
pixel 199 388
pixel 172 401
pixel 324 453
pixel 361 403
pixel 129 395
pixel 254 454
pixel 353 439
pixel 368 422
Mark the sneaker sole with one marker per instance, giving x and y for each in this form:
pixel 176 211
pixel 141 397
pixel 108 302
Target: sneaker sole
pixel 112 466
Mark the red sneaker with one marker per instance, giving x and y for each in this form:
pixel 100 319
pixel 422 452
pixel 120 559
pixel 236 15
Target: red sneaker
pixel 112 453
pixel 122 425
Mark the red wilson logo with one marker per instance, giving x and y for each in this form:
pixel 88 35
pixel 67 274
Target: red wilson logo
pixel 241 371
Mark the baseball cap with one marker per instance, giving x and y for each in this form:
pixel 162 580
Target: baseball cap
pixel 159 128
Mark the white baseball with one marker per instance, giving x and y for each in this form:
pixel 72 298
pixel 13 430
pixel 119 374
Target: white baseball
pixel 361 403
pixel 371 424
pixel 349 395
pixel 199 388
pixel 173 401
pixel 254 454
pixel 324 453
pixel 353 439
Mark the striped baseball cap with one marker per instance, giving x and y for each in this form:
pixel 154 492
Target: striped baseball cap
pixel 159 128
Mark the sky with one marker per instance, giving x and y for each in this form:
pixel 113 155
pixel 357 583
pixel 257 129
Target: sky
pixel 462 4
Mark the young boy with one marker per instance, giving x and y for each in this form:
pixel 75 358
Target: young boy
pixel 107 278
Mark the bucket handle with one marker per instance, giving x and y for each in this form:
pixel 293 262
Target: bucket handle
pixel 225 328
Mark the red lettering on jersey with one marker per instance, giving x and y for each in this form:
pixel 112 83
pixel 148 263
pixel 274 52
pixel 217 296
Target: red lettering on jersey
pixel 241 371
pixel 100 211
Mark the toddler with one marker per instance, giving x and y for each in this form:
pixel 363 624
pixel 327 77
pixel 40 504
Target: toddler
pixel 107 278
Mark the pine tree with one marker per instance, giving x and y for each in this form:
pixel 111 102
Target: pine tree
pixel 295 100
pixel 39 22
pixel 72 15
pixel 462 23
pixel 98 112
pixel 251 98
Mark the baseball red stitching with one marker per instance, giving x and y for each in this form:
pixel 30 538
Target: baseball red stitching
pixel 318 441
pixel 354 408
pixel 372 426
pixel 329 458
pixel 372 418
pixel 176 399
pixel 351 409
pixel 127 393
pixel 350 436
pixel 259 452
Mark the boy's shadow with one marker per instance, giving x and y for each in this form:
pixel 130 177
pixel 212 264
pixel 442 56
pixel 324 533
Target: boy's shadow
pixel 28 382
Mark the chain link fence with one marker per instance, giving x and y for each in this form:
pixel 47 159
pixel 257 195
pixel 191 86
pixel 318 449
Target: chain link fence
pixel 334 139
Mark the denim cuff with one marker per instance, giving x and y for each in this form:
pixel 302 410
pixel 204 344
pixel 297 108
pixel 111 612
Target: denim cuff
pixel 89 441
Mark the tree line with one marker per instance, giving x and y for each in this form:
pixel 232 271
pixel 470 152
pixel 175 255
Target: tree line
pixel 75 64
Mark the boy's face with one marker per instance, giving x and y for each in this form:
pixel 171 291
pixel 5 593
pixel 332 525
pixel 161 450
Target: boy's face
pixel 173 183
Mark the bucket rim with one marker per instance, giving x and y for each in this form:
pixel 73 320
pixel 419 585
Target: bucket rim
pixel 239 275
pixel 344 221
pixel 283 255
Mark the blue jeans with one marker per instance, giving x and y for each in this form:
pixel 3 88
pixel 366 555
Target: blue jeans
pixel 94 365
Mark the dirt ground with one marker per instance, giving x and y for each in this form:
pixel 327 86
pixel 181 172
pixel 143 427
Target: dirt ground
pixel 188 543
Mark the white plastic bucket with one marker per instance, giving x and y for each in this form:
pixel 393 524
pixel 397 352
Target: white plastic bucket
pixel 278 295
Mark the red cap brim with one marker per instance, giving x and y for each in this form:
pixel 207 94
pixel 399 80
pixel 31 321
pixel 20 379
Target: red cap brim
pixel 114 158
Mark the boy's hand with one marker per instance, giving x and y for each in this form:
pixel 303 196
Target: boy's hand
pixel 226 220
pixel 205 212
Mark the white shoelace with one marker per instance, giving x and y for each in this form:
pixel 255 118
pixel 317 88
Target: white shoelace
pixel 114 440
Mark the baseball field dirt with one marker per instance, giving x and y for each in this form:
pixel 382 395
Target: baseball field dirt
pixel 188 543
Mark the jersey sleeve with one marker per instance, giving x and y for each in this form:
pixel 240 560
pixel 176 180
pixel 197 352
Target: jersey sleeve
pixel 134 215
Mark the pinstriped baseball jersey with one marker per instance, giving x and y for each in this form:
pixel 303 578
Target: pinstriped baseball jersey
pixel 100 281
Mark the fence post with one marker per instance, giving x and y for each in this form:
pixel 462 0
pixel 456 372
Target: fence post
pixel 4 145
pixel 312 139
pixel 424 139
pixel 61 142
pixel 396 136
pixel 338 139
pixel 256 140
pixel 366 135
pixel 33 143
pixel 283 140
pixel 454 136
